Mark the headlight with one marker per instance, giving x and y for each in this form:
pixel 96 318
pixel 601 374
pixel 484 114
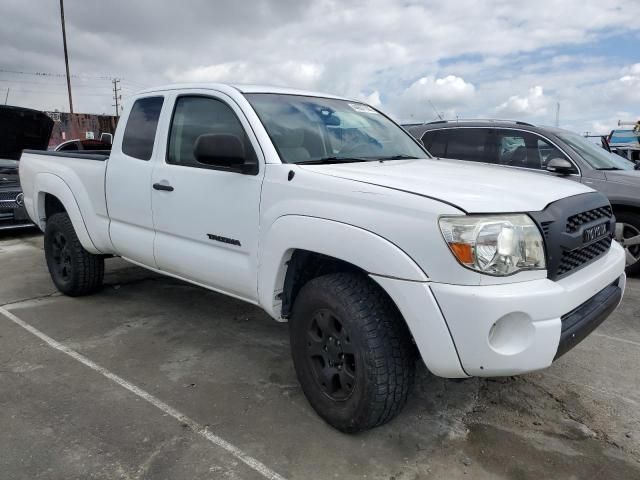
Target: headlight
pixel 494 244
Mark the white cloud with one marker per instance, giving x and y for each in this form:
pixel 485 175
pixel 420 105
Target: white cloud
pixel 372 99
pixel 535 103
pixel 290 73
pixel 446 94
pixel 489 55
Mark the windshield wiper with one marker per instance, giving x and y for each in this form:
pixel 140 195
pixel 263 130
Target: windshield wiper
pixel 608 168
pixel 330 160
pixel 396 157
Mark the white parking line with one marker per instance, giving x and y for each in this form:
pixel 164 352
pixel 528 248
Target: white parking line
pixel 201 430
pixel 618 339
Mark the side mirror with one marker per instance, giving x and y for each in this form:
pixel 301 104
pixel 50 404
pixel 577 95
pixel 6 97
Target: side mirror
pixel 560 166
pixel 222 150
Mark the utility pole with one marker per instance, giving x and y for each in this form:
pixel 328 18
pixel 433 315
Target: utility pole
pixel 116 95
pixel 557 114
pixel 6 98
pixel 66 55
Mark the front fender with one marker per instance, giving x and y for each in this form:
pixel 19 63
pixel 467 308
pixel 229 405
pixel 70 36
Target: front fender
pixel 54 185
pixel 362 248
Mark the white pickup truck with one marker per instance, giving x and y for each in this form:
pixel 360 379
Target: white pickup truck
pixel 328 215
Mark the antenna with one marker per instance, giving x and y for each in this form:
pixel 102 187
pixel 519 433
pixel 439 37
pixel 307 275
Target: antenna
pixel 435 110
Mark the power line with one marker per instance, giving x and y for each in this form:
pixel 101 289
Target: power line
pixel 80 76
pixel 48 84
pixel 53 74
pixel 49 92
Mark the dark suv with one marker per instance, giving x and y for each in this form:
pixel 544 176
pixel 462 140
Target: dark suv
pixel 20 128
pixel 549 151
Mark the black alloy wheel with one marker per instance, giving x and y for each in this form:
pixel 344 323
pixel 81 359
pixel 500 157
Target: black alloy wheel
pixel 61 256
pixel 331 355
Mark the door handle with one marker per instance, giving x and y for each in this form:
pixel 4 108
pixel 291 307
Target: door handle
pixel 163 187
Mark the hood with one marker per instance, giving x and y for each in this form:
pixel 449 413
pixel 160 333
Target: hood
pixel 22 128
pixel 471 187
pixel 628 177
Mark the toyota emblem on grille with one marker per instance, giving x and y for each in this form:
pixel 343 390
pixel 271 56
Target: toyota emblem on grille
pixel 20 199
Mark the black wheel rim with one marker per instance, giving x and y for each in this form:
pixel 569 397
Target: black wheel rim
pixel 331 355
pixel 61 256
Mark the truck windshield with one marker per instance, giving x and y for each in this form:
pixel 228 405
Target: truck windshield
pixel 594 155
pixel 324 130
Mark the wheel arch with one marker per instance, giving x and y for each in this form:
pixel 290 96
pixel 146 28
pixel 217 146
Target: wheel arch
pixel 299 248
pixel 54 196
pixel 619 206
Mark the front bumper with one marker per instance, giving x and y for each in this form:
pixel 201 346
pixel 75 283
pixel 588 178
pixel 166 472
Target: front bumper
pixel 506 329
pixel 515 328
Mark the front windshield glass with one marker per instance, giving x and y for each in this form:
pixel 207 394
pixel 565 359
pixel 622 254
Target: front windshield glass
pixel 594 155
pixel 324 130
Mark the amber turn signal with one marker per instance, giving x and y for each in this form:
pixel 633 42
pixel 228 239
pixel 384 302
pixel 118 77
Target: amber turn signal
pixel 463 252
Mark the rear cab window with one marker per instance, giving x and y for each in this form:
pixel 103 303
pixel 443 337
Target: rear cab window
pixel 142 124
pixel 435 142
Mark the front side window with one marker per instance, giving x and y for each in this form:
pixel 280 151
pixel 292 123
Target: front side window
pixel 197 115
pixel 522 149
pixel 140 132
pixel 324 130
pixel 547 152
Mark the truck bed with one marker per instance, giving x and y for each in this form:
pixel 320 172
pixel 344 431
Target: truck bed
pixel 80 178
pixel 97 155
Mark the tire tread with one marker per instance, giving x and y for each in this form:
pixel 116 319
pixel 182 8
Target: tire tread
pixel 89 267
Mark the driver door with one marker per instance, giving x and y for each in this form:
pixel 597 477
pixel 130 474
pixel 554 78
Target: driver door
pixel 206 219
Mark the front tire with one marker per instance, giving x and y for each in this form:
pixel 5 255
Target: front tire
pixel 352 351
pixel 74 271
pixel 628 235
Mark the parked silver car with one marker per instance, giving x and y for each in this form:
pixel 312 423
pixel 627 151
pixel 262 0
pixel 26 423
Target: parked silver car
pixel 550 151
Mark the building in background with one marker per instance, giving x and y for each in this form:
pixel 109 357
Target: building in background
pixel 70 126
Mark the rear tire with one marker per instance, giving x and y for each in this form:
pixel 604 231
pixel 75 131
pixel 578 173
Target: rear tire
pixel 74 271
pixel 352 351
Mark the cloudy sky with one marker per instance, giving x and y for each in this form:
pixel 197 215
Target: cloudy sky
pixel 468 58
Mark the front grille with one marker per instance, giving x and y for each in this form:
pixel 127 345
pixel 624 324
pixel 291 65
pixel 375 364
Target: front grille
pixel 8 200
pixel 8 195
pixel 574 222
pixel 576 258
pixel 564 223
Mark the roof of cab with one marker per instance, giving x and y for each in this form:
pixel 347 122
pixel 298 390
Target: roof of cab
pixel 240 88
